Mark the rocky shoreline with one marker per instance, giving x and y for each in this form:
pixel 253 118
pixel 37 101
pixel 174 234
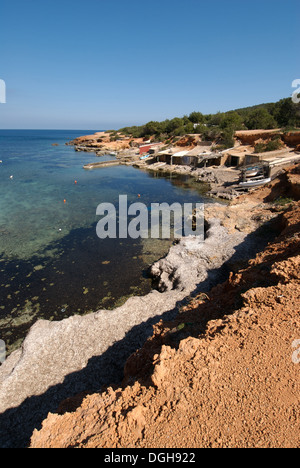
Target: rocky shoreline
pixel 61 359
pixel 58 360
pixel 222 181
pixel 224 372
pixel 223 177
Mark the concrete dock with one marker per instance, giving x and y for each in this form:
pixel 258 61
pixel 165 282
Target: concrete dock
pixel 101 164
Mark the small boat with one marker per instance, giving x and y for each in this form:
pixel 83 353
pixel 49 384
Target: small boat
pixel 252 173
pixel 145 157
pixel 255 175
pixel 255 183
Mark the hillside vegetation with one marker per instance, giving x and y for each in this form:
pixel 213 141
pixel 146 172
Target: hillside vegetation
pixel 221 127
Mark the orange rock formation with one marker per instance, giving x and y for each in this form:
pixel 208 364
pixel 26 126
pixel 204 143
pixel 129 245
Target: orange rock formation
pixel 225 373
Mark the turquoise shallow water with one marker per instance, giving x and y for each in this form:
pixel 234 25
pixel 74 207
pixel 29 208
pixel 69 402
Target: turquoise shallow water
pixel 52 264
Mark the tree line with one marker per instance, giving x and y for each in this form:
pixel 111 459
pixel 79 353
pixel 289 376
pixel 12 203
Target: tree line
pixel 220 127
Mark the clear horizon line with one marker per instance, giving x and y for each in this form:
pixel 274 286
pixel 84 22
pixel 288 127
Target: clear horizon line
pixel 140 125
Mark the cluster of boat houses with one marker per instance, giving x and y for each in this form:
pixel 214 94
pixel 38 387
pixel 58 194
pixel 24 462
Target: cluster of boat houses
pixel 200 156
pixel 255 169
pixel 204 156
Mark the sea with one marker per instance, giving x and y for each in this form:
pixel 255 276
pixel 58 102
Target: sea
pixel 52 263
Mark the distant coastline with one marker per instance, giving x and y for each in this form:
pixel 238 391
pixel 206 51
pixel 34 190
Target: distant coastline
pixel 191 155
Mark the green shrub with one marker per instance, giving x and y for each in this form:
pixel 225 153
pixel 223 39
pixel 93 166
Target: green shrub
pixel 272 145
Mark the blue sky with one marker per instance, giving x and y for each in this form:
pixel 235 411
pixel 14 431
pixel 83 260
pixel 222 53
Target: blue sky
pixel 96 64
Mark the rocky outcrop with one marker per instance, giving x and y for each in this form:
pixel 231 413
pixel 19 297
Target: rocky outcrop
pixel 189 262
pixel 225 373
pixel 103 143
pixel 251 137
pixel 81 354
pixel 60 359
pixel 293 183
pixel 292 138
pixel 189 141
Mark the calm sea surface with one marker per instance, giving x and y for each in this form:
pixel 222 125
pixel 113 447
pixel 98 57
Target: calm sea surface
pixel 52 264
